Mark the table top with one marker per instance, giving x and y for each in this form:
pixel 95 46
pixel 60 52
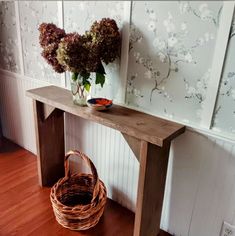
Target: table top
pixel 128 121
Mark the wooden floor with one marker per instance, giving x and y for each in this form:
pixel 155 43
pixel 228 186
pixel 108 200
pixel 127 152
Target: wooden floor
pixel 25 208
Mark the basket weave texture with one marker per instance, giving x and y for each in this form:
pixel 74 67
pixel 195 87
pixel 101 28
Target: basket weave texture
pixel 78 200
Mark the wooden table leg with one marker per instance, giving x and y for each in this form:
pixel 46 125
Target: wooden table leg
pixel 152 176
pixel 50 143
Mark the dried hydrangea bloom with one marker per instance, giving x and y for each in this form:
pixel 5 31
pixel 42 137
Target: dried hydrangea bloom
pixel 81 54
pixel 49 38
pixel 50 33
pixel 49 53
pixel 93 62
pixel 78 54
pixel 106 34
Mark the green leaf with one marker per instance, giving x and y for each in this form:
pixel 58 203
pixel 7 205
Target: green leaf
pixel 101 69
pixel 85 76
pixel 100 79
pixel 87 85
pixel 74 76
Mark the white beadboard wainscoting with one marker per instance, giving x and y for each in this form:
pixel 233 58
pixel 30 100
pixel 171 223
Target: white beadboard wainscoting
pixel 200 190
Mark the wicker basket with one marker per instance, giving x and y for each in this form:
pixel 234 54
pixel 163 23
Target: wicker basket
pixel 78 200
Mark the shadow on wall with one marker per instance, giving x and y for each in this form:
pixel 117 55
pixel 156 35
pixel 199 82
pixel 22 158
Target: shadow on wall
pixel 12 110
pixel 119 196
pixel 200 186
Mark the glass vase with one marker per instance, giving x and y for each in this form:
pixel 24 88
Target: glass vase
pixel 80 94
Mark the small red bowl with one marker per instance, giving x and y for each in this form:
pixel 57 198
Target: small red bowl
pixel 99 104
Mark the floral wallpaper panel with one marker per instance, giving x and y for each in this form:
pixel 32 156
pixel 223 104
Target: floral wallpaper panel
pixel 32 14
pixel 224 116
pixel 9 46
pixel 78 17
pixel 171 52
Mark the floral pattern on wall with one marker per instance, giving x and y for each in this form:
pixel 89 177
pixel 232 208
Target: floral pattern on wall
pixel 79 16
pixel 171 51
pixel 32 14
pixel 8 38
pixel 224 114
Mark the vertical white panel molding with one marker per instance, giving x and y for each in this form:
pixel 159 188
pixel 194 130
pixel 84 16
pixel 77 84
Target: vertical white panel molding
pixel 20 48
pixel 60 5
pixel 121 95
pixel 217 64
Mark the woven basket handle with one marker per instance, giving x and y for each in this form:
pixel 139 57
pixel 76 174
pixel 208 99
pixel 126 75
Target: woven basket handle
pixel 90 165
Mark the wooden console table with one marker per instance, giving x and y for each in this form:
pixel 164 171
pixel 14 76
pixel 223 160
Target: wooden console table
pixel 148 136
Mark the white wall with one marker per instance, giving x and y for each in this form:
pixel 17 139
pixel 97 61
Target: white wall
pixel 200 191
